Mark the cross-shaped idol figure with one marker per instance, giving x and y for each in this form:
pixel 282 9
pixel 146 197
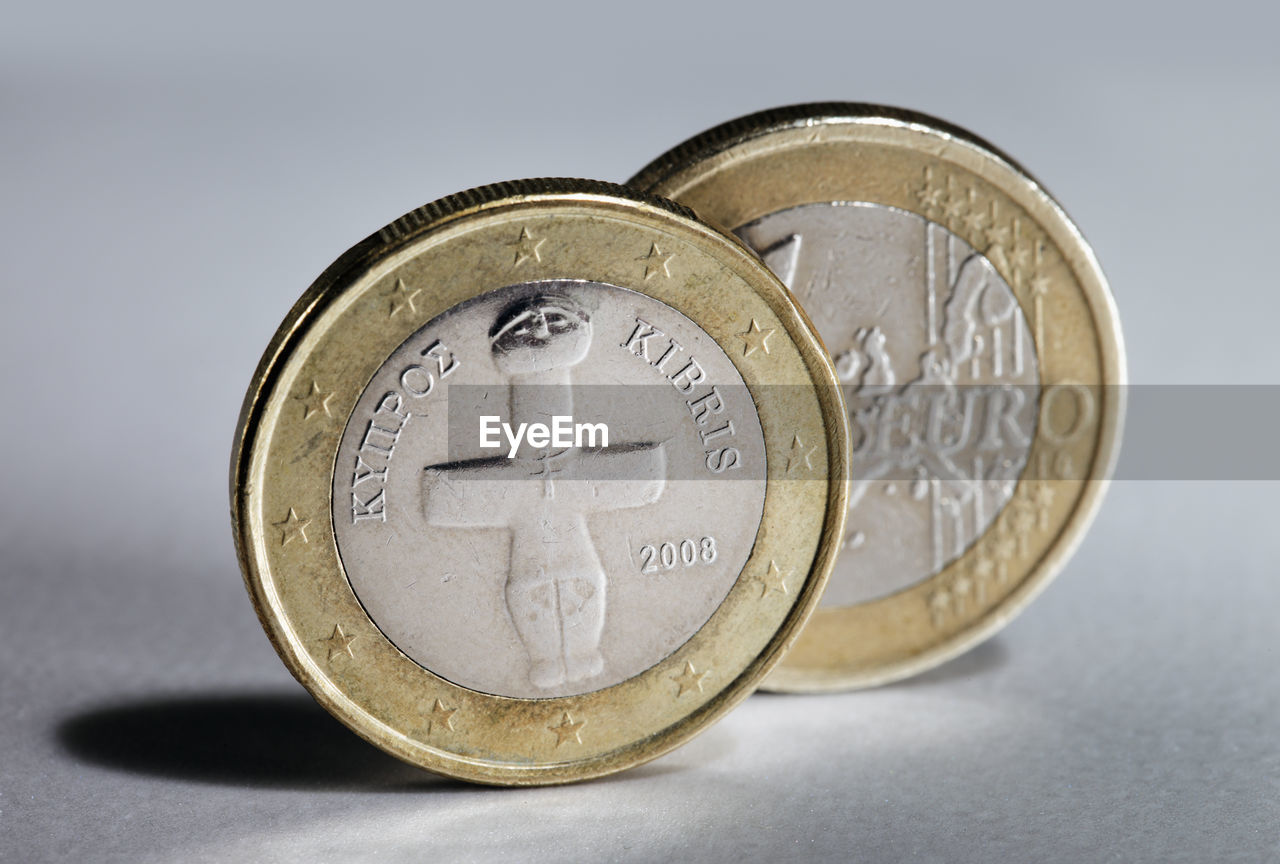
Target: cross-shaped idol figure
pixel 555 588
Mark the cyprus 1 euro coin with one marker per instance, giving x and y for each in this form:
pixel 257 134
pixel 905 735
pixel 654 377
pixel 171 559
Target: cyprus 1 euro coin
pixel 979 351
pixel 539 481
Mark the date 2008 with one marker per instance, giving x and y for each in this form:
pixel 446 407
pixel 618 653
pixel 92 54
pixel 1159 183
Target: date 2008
pixel 686 553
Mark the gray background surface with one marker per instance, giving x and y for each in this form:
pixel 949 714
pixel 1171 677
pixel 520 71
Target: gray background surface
pixel 171 179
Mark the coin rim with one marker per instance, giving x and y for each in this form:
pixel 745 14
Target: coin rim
pixel 287 350
pixel 691 161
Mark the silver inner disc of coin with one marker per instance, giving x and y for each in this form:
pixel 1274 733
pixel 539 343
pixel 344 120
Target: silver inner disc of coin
pixel 939 368
pixel 562 569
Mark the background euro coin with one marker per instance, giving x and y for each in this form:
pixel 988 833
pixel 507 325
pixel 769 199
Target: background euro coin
pixel 980 352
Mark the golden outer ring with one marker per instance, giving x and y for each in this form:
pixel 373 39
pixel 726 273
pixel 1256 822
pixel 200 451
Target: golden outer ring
pixel 802 154
pixel 343 329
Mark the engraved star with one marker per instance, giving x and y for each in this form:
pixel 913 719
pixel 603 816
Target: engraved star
pixel 799 455
pixel 314 401
pixel 773 580
pixel 292 526
pixel 954 208
pixel 1005 547
pixel 527 247
pixel 1023 519
pixel 997 235
pixel 929 195
pixel 1039 285
pixel 1020 257
pixel 442 716
pixel 656 262
pixel 568 730
pixel 339 642
pixel 1042 494
pixel 754 338
pixel 402 297
pixel 976 222
pixel 689 679
pixel 930 198
pixel 1042 499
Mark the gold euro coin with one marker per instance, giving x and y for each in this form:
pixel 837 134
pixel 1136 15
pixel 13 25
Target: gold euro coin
pixel 539 481
pixel 978 348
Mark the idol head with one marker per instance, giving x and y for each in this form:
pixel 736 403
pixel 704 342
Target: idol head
pixel 540 333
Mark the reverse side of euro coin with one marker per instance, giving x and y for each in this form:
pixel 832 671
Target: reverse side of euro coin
pixel 511 488
pixel 978 347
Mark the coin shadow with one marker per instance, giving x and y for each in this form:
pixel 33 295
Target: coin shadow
pixel 239 739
